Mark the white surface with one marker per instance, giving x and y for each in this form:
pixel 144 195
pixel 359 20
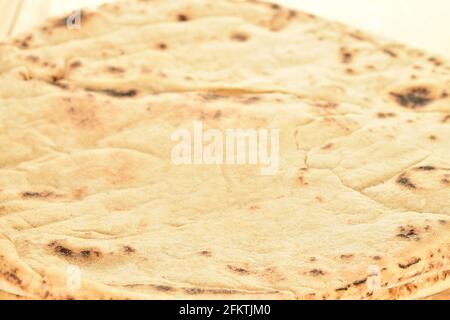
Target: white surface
pixel 419 23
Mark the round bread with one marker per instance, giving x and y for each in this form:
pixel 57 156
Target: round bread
pixel 93 207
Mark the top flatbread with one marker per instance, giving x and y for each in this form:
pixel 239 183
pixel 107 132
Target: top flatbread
pixel 87 181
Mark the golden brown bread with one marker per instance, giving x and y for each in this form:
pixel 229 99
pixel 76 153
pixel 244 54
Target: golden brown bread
pixel 86 178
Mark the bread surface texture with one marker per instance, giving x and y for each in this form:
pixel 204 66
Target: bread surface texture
pixel 93 207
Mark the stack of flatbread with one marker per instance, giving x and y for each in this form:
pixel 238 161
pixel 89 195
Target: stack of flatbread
pixel 93 207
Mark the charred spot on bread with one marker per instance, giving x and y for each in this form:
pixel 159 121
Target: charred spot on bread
pixel 345 55
pixel 435 61
pixel 426 168
pixel 59 84
pixel 182 17
pixel 359 282
pixel 113 69
pixel 409 233
pixel 162 46
pixel 328 146
pixel 12 277
pixel 117 93
pixel 238 270
pixel 275 6
pixel 193 291
pixel 345 288
pixel 409 263
pixel 385 115
pixel 377 258
pixel 33 58
pixel 414 98
pixel 239 36
pixel 75 64
pixel 390 53
pixel 129 249
pixel 317 272
pixel 404 181
pixel 25 42
pixel 206 253
pixel 164 288
pixel 35 195
pixel 63 251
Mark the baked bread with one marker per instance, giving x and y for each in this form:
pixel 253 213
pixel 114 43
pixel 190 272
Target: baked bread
pixel 87 181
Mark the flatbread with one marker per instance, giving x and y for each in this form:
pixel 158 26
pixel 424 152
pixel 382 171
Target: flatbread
pixel 89 193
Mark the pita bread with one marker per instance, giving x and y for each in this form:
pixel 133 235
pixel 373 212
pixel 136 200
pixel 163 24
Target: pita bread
pixel 87 181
